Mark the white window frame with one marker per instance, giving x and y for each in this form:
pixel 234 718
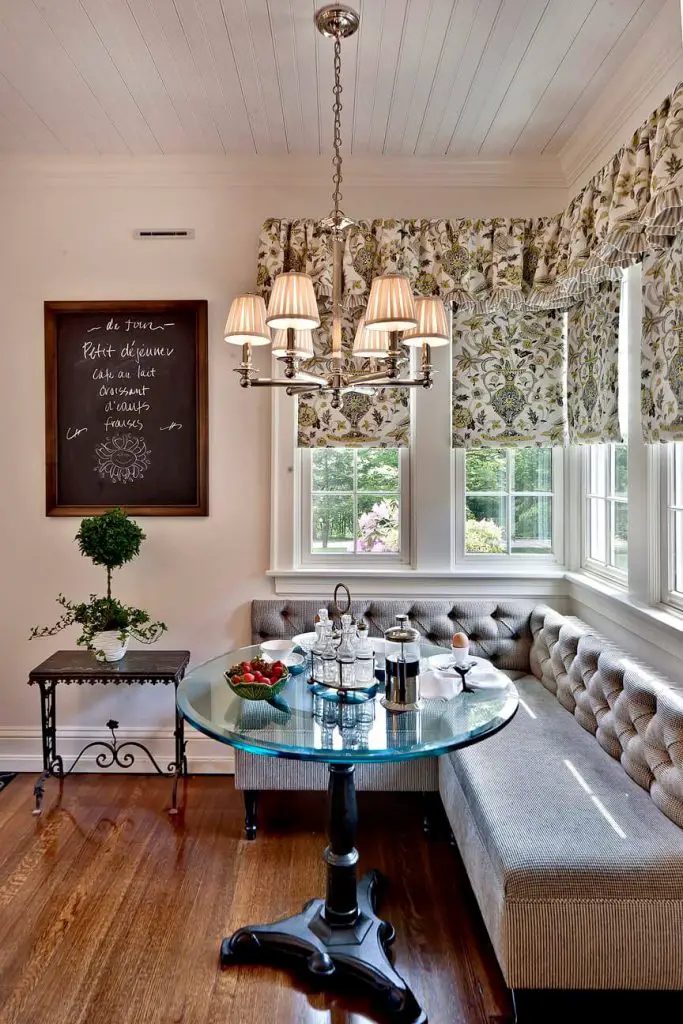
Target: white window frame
pixel 604 570
pixel 670 554
pixel 554 557
pixel 373 562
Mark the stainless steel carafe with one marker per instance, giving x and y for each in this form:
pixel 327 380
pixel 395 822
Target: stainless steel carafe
pixel 402 686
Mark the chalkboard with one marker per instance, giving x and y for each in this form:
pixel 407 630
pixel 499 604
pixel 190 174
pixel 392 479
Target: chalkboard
pixel 126 407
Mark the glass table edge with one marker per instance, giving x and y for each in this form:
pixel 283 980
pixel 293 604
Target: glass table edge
pixel 352 756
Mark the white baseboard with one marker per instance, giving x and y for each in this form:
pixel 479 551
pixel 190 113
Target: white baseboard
pixel 21 750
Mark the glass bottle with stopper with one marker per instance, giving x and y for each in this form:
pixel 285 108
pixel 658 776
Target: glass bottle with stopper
pixel 328 655
pixel 365 657
pixel 318 647
pixel 402 667
pixel 346 655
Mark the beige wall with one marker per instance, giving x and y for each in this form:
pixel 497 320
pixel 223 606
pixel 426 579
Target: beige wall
pixel 68 235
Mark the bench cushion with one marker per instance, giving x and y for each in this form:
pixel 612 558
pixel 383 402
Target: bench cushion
pixel 564 852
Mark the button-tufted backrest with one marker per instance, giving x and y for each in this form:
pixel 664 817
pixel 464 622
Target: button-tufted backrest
pixel 498 630
pixel 635 715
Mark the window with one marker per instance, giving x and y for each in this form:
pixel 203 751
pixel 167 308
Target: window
pixel 355 505
pixel 606 513
pixel 509 501
pixel 674 524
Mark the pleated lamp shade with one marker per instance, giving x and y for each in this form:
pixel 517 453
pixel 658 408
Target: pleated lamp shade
pixel 292 303
pixel 370 344
pixel 247 321
pixel 390 305
pixel 432 323
pixel 303 344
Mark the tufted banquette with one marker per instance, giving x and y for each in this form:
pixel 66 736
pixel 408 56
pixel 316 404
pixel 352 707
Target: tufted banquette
pixel 569 820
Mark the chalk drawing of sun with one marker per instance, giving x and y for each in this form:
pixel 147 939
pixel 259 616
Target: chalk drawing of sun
pixel 123 458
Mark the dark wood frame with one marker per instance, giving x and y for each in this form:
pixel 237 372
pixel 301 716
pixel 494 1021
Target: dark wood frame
pixel 52 311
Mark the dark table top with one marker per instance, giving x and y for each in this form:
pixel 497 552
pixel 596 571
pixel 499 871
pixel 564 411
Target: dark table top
pixel 151 666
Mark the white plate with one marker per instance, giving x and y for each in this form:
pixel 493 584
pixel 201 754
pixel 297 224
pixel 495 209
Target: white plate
pixel 304 640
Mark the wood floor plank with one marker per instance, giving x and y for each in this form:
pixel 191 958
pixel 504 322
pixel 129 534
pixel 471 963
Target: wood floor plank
pixel 111 912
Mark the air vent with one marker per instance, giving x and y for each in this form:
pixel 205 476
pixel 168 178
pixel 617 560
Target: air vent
pixel 164 233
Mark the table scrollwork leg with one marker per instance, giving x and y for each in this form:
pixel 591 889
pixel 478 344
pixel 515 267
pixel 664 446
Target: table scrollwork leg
pixel 52 761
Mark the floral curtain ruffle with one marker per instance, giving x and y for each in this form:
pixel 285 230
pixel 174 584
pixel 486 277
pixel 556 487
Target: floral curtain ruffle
pixel 362 421
pixel 508 379
pixel 661 390
pixel 634 204
pixel 593 367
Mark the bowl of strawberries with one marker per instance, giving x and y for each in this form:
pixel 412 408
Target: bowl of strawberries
pixel 258 679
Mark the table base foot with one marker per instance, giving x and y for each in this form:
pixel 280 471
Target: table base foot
pixel 358 950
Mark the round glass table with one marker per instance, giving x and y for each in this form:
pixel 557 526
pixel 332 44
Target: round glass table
pixel 341 932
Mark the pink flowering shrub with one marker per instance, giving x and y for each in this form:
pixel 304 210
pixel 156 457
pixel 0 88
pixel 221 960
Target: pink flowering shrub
pixel 378 528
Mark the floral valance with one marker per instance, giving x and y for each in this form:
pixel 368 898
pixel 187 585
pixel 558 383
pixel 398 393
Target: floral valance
pixel 479 264
pixel 661 388
pixel 361 421
pixel 508 379
pixel 593 367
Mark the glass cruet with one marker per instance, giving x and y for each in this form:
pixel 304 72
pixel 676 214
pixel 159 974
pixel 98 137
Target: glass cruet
pixel 328 657
pixel 365 657
pixel 346 654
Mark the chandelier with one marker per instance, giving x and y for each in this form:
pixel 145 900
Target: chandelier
pixel 393 317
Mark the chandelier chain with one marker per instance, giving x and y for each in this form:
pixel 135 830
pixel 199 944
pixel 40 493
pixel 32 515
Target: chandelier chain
pixel 337 143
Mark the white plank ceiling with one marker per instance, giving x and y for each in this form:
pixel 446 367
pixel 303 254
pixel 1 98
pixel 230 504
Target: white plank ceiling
pixel 464 78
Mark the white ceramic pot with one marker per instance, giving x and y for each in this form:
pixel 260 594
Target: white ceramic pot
pixel 110 645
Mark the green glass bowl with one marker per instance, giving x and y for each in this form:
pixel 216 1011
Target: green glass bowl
pixel 257 691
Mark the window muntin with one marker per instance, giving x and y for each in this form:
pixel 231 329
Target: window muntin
pixel 509 501
pixel 674 524
pixel 606 514
pixel 355 506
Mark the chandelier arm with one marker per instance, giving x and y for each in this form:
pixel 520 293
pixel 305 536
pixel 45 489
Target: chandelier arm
pixel 413 382
pixel 279 382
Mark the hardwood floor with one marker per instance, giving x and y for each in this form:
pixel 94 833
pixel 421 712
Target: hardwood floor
pixel 111 912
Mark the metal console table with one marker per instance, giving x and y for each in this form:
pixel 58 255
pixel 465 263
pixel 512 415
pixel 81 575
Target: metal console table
pixel 166 667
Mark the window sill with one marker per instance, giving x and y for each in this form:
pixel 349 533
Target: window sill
pixel 656 624
pixel 522 581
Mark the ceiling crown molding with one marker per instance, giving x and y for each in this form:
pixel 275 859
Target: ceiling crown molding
pixel 272 171
pixel 652 72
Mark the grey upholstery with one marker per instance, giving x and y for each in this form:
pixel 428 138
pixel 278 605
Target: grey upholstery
pixel 253 772
pixel 636 716
pixel 578 875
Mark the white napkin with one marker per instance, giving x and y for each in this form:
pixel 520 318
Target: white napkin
pixel 444 682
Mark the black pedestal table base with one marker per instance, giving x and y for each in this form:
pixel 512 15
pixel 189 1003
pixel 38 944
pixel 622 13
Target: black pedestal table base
pixel 342 933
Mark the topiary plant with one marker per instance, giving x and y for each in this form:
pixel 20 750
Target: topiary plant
pixel 111 540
